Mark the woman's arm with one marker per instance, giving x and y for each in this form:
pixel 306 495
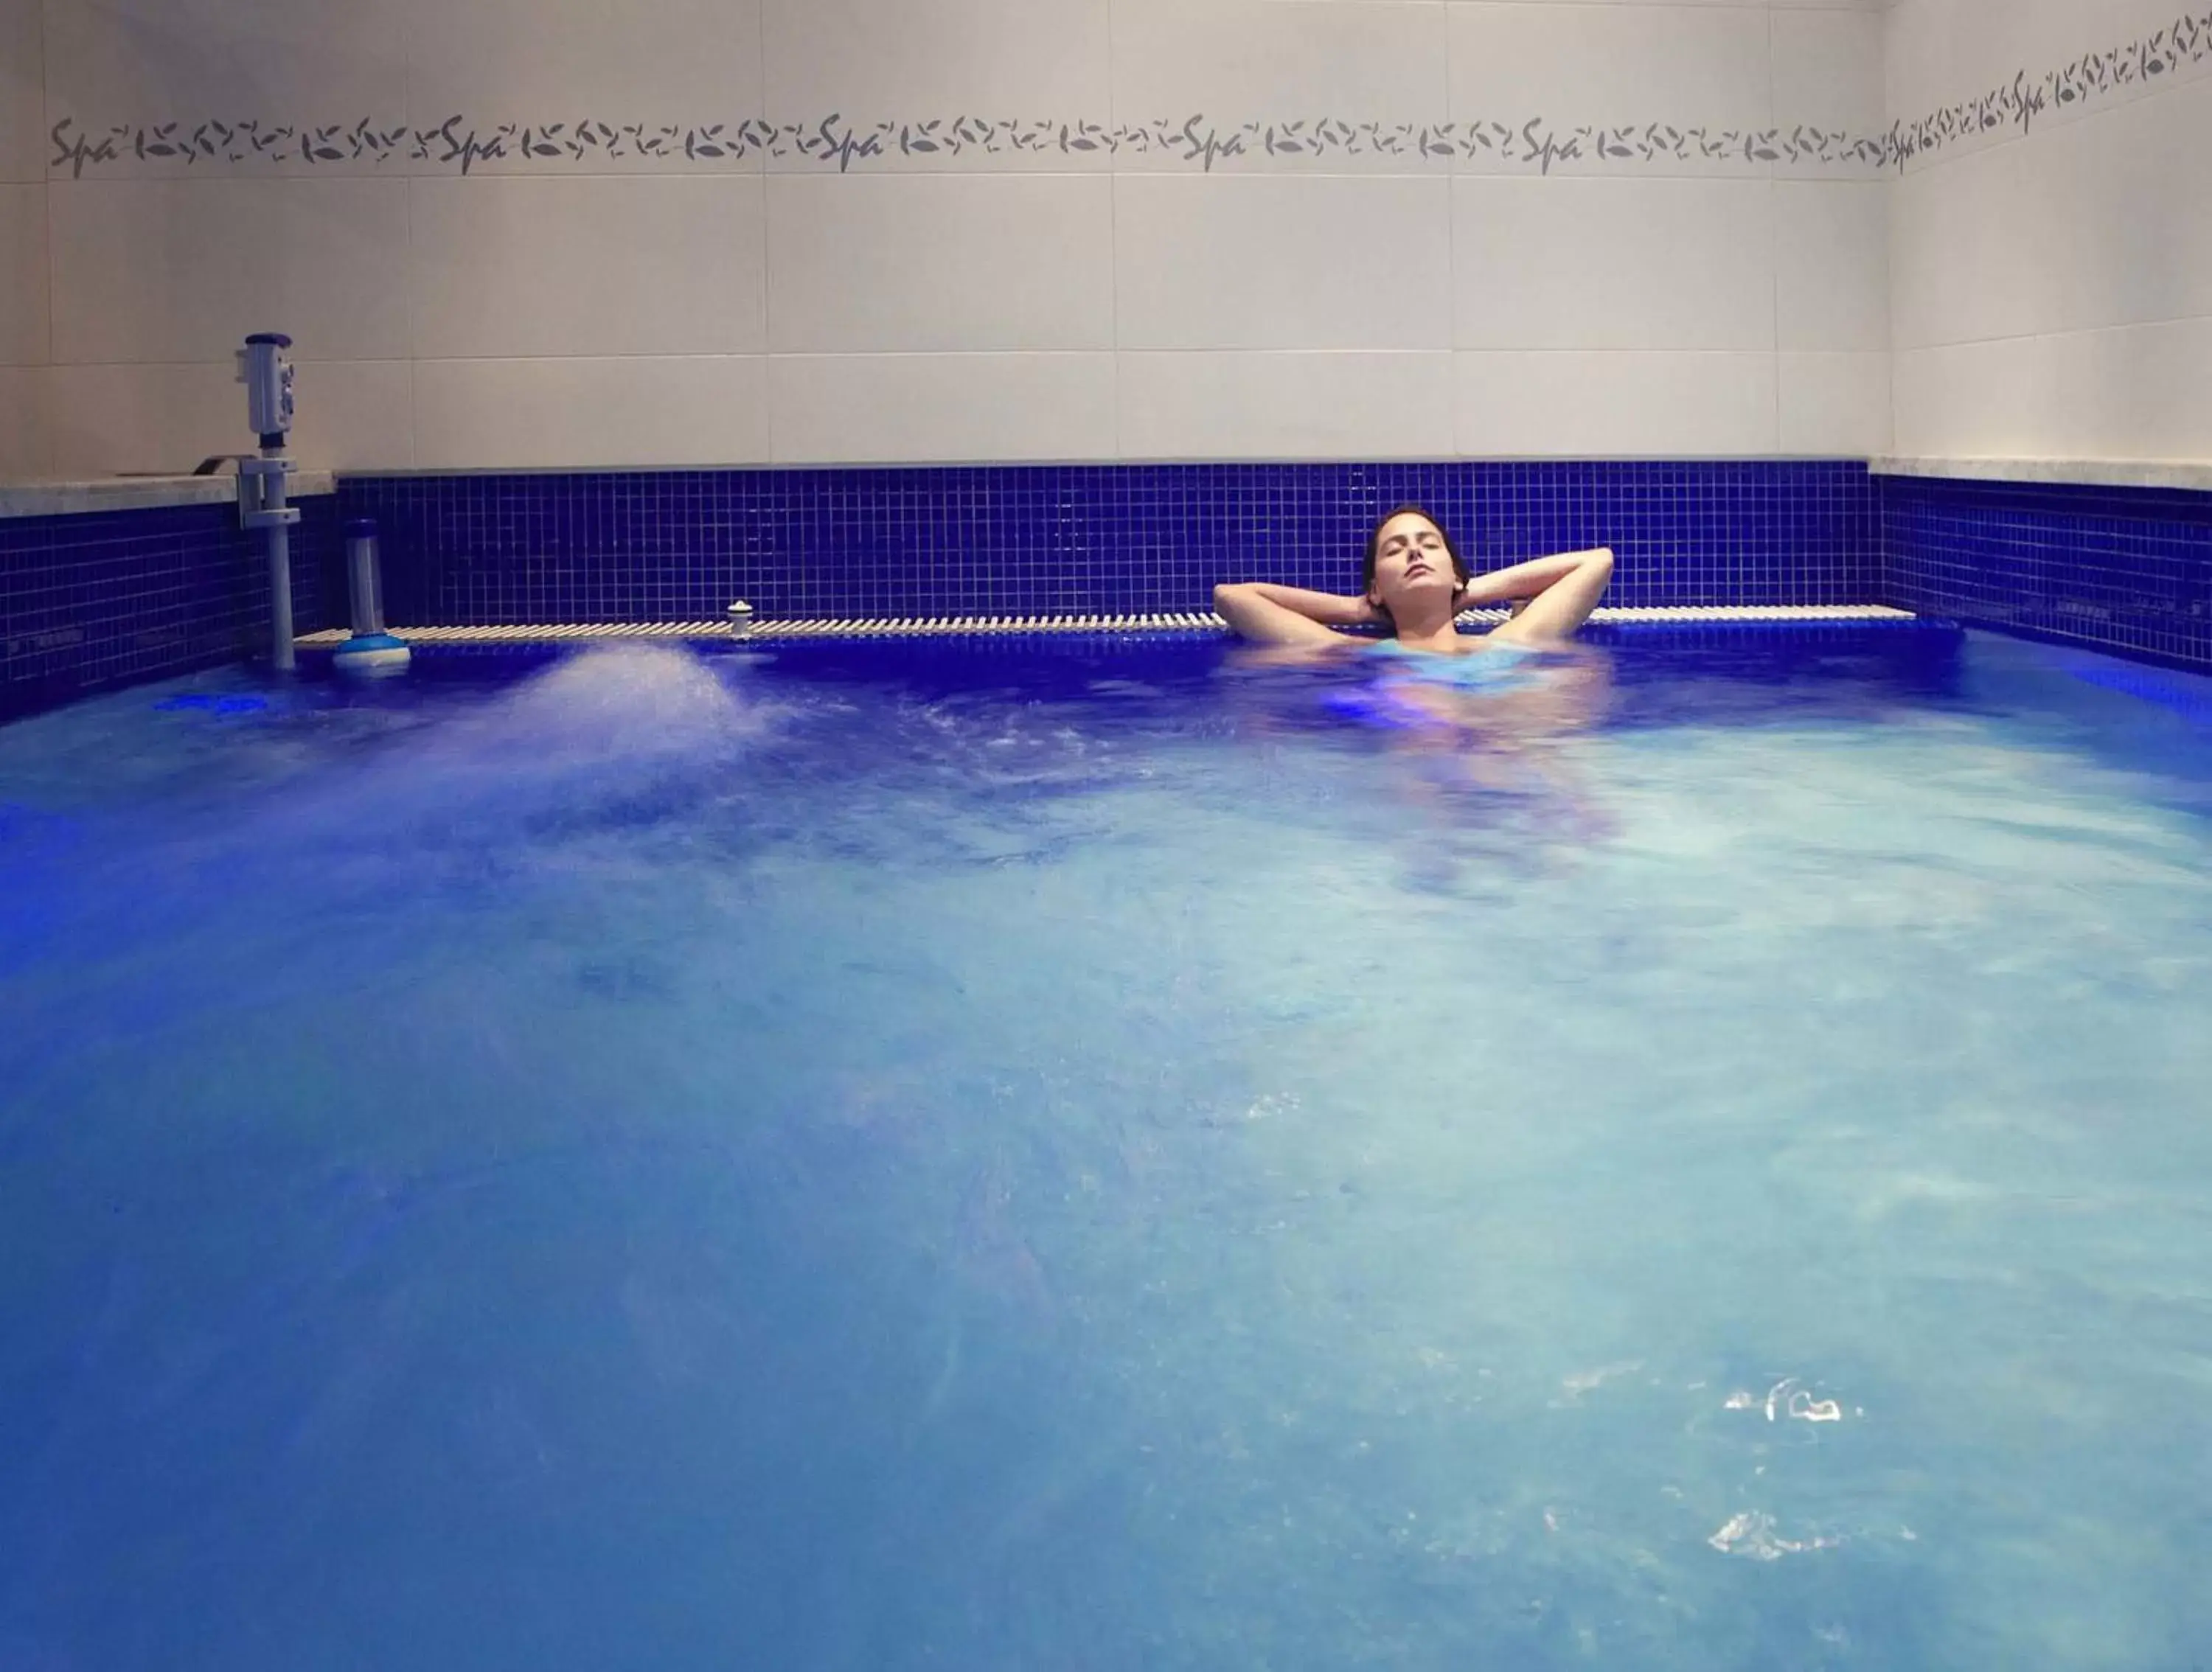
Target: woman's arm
pixel 1268 614
pixel 1526 580
pixel 1561 590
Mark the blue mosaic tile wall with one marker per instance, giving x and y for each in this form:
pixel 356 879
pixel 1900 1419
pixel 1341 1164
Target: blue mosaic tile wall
pixel 92 602
pixel 989 540
pixel 2123 569
pixel 87 602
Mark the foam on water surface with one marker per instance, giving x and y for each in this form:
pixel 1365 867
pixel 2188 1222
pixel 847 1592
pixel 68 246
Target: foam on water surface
pixel 1086 1159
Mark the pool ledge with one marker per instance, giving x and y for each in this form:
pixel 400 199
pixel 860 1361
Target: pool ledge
pixel 2070 472
pixel 139 493
pixel 906 626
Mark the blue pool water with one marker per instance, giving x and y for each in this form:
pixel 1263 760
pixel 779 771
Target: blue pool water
pixel 1072 1155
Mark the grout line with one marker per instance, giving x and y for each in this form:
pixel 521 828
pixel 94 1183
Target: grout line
pixel 1889 281
pixel 1774 231
pixel 414 254
pixel 413 324
pixel 1854 174
pixel 414 408
pixel 46 420
pixel 1610 351
pixel 1451 250
pixel 1081 353
pixel 2039 336
pixel 46 181
pixel 767 448
pixel 1114 231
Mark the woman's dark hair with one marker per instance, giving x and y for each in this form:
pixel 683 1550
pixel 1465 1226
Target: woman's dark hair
pixel 1375 545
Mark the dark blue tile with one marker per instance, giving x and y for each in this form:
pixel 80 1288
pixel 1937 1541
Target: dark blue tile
pixel 2127 570
pixel 91 601
pixel 1030 539
pixel 87 602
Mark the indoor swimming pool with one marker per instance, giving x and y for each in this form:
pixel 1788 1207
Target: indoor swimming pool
pixel 1090 1153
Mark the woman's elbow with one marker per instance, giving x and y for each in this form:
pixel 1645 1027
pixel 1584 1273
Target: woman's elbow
pixel 1226 595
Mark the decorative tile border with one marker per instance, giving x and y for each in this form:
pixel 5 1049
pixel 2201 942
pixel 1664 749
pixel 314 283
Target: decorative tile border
pixel 1535 143
pixel 462 145
pixel 2022 101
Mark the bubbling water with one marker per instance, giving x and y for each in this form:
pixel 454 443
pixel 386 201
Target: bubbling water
pixel 686 1160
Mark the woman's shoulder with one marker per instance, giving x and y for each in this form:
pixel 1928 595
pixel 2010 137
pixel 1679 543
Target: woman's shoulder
pixel 1468 644
pixel 1477 665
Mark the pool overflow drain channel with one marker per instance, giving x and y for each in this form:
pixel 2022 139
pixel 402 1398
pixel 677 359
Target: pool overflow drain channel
pixel 752 628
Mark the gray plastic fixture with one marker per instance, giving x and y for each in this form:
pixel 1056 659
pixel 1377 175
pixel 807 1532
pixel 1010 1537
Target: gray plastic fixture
pixel 265 367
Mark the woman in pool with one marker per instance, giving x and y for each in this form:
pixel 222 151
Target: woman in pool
pixel 1415 588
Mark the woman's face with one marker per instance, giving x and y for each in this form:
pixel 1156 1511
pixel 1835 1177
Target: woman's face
pixel 1410 558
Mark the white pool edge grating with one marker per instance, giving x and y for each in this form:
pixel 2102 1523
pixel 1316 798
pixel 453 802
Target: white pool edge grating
pixel 958 626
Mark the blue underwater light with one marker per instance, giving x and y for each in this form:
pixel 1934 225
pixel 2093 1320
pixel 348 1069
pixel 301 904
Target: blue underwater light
pixel 198 702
